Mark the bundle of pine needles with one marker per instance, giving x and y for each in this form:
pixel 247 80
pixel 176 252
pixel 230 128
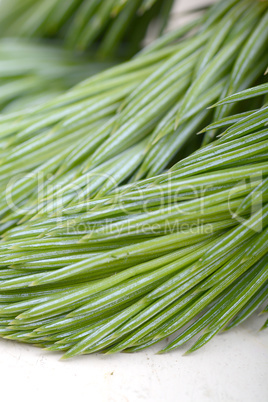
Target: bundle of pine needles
pixel 35 69
pixel 103 249
pixel 130 121
pixel 33 72
pixel 111 27
pixel 149 257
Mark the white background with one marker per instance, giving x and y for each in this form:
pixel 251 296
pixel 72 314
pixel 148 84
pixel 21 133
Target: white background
pixel 233 367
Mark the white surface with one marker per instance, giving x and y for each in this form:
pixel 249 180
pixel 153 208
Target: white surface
pixel 233 367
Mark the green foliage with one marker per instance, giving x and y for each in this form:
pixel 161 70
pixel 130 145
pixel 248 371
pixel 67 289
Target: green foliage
pixel 112 27
pixel 32 72
pixel 103 248
pixel 123 124
pixel 120 287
